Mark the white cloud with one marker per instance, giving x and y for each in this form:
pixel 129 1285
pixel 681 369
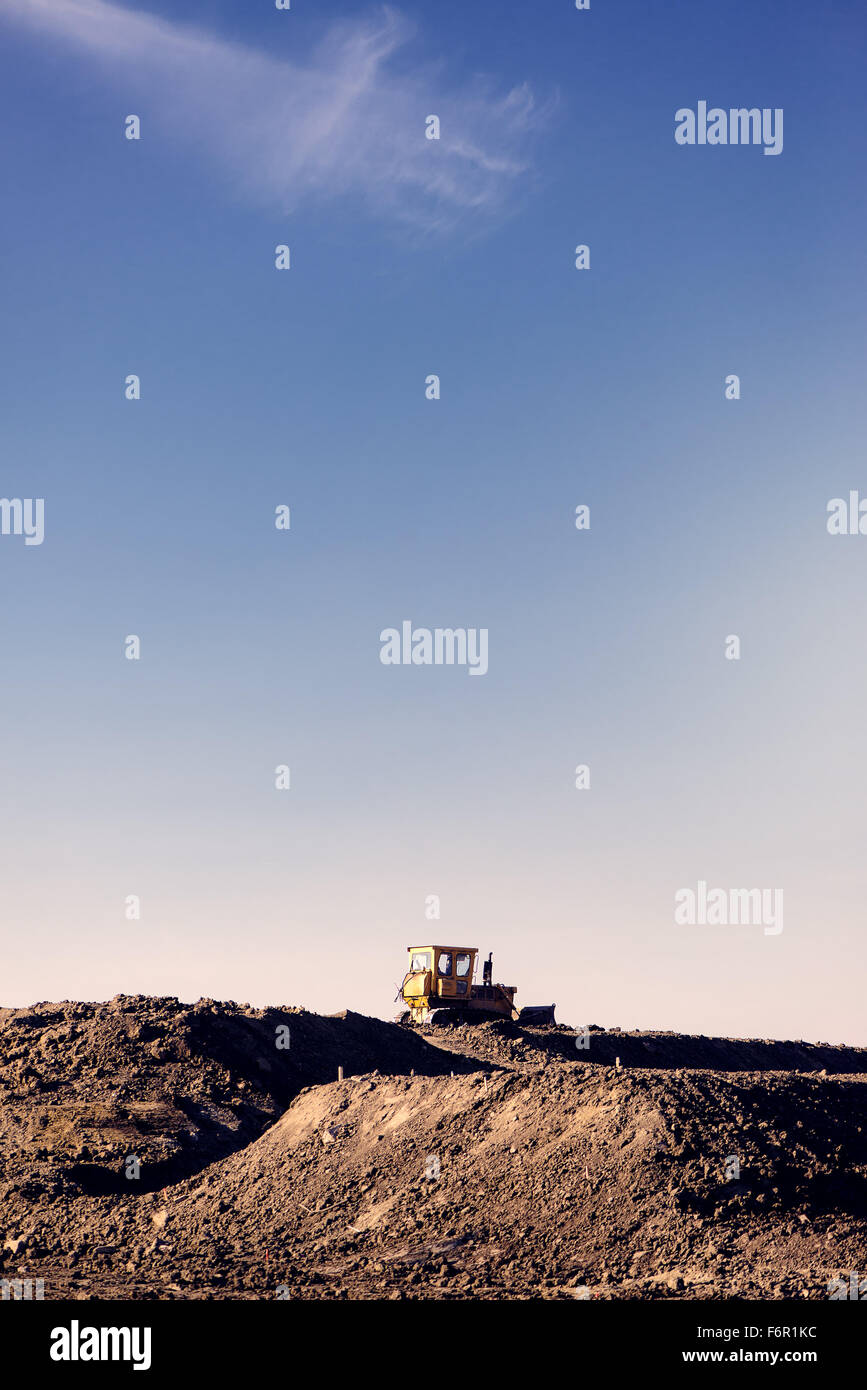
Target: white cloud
pixel 349 121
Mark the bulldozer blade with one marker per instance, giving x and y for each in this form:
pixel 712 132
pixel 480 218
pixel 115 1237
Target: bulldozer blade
pixel 540 1014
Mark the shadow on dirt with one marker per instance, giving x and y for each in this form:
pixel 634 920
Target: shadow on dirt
pixel 268 1076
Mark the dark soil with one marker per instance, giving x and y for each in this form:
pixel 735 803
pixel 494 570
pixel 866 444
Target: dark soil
pixel 463 1162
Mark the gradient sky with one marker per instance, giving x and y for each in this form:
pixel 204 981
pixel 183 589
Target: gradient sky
pixel 559 387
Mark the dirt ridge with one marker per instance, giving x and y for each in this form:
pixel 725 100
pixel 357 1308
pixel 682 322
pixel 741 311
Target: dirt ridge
pixel 490 1161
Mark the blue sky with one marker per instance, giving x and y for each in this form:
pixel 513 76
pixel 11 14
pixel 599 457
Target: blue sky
pixel 559 387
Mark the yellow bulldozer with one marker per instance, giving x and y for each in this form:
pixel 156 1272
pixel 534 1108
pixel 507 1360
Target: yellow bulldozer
pixel 443 978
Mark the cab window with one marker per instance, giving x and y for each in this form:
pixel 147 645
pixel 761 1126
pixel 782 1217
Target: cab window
pixel 444 965
pixel 462 964
pixel 420 961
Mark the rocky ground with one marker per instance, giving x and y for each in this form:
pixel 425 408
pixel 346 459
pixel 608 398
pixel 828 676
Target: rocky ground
pixel 490 1161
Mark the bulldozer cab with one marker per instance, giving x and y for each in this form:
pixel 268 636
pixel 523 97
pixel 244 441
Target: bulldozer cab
pixel 439 973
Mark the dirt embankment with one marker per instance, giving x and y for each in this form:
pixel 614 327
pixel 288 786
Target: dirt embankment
pixel 86 1085
pixel 469 1162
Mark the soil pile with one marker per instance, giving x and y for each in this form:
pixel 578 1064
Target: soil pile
pixel 485 1161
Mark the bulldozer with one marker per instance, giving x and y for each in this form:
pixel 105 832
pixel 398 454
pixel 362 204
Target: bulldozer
pixel 443 978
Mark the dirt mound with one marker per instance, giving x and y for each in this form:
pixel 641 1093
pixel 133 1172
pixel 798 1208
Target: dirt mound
pixel 504 1040
pixel 521 1184
pixel 471 1163
pixel 87 1085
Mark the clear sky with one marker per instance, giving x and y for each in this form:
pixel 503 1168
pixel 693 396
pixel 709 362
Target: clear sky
pixel 559 387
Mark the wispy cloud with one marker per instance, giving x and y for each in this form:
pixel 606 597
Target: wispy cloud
pixel 347 122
